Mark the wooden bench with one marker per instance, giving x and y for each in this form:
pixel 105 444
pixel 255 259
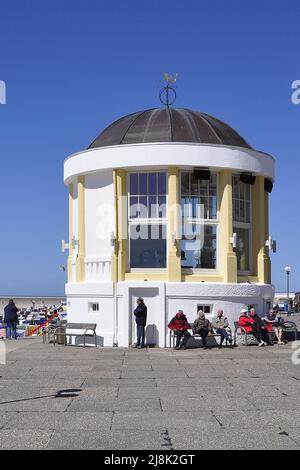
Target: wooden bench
pixel 287 327
pixel 75 329
pixel 172 337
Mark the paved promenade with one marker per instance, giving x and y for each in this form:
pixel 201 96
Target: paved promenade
pixel 158 399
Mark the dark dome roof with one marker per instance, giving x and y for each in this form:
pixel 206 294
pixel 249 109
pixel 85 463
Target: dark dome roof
pixel 168 125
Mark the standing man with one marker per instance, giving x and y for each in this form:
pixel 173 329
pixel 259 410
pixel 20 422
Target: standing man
pixel 141 320
pixel 11 319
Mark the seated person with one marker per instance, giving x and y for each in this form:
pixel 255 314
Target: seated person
pixel 248 324
pixel 221 325
pixel 260 326
pixel 273 325
pixel 180 326
pixel 202 327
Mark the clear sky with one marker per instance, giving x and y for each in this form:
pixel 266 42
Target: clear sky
pixel 72 67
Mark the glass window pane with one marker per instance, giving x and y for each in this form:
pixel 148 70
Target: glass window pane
pixel 185 184
pixel 203 212
pixel 248 212
pixel 242 211
pixel 134 184
pixel 152 183
pixel 148 246
pixel 186 204
pixel 213 185
pixel 162 183
pixel 199 246
pixel 162 207
pixel 212 207
pixel 153 207
pixel 134 208
pixel 243 249
pixel 143 183
pixel 196 207
pixel 194 186
pixel 143 207
pixel 204 187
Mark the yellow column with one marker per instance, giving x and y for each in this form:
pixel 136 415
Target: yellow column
pixel 121 223
pixel 114 257
pixel 70 257
pixel 80 267
pixel 174 258
pixel 267 233
pixel 228 259
pixel 261 260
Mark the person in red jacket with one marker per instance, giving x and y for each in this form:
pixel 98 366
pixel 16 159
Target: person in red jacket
pixel 180 326
pixel 249 326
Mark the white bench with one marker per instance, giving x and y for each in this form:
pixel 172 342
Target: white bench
pixel 172 337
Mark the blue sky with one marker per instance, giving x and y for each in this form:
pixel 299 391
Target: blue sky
pixel 72 67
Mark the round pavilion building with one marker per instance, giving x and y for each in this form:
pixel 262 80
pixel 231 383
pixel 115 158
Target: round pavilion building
pixel 170 205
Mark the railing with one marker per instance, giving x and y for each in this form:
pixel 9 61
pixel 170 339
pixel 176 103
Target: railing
pixel 97 269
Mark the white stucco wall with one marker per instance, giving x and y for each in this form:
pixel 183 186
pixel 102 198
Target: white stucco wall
pixel 99 224
pixel 163 301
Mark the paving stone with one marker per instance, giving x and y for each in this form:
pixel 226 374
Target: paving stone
pixel 229 439
pixel 117 440
pixel 203 404
pixel 59 421
pixel 36 404
pixel 275 403
pixel 152 374
pixel 150 392
pixel 258 419
pixel 133 404
pixel 18 440
pixel 156 420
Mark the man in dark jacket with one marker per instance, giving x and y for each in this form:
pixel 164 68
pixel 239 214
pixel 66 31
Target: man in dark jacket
pixel 141 319
pixel 11 319
pixel 180 326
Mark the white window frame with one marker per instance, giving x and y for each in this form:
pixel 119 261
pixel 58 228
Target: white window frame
pixel 146 221
pixel 215 222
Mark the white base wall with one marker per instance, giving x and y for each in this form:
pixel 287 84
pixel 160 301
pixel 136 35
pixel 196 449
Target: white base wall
pixel 115 319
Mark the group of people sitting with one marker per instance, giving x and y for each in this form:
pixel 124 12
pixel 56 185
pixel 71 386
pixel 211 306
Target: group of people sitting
pixel 201 326
pixel 260 328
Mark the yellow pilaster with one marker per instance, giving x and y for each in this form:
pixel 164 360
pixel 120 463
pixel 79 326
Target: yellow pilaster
pixel 174 258
pixel 228 260
pixel 267 233
pixel 80 267
pixel 121 223
pixel 114 257
pixel 70 257
pixel 261 260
